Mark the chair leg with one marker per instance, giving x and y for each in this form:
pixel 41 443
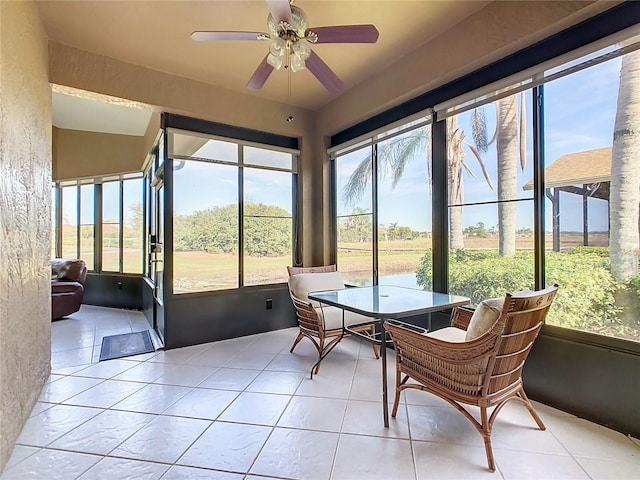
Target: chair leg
pixel 532 411
pixel 486 436
pixel 396 400
pixel 296 341
pixel 373 335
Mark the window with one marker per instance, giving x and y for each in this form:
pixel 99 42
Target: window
pixel 233 213
pixel 205 227
pixel 491 228
pixel 404 208
pixel 87 231
pixel 111 221
pixel 592 185
pixel 119 201
pixel 384 237
pixel 69 227
pixel 268 226
pixel 132 226
pixel 354 222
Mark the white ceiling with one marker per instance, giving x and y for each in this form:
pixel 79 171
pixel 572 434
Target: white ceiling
pixel 156 35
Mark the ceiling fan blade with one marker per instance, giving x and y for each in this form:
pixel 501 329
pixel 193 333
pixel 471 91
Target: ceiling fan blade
pixel 323 73
pixel 280 10
pixel 260 76
pixel 212 36
pixel 346 34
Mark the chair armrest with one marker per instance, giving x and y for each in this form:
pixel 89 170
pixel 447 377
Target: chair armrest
pixel 461 317
pixel 471 352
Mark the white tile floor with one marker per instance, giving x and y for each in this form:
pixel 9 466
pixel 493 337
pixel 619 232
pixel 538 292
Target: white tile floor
pixel 246 409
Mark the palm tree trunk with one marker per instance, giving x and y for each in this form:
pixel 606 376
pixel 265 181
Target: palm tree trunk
pixel 455 157
pixel 507 146
pixel 624 201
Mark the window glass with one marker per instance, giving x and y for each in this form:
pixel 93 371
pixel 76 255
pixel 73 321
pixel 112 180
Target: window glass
pixel 355 216
pixel 132 226
pixel 404 208
pixel 69 222
pixel 490 212
pixel 592 205
pixel 111 226
pixel 87 230
pixel 268 226
pixel 192 145
pixel 205 227
pixel 267 158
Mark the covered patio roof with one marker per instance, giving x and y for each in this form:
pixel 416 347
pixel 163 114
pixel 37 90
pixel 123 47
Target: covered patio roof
pixel 579 168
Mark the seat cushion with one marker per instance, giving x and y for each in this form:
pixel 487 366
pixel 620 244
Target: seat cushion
pixel 333 317
pixel 303 283
pixel 484 317
pixel 448 334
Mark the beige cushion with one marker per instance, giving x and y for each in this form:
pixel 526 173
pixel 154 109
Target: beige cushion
pixel 449 334
pixel 484 317
pixel 303 283
pixel 333 317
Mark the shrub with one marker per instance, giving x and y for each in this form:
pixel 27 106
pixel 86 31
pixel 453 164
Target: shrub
pixel 586 299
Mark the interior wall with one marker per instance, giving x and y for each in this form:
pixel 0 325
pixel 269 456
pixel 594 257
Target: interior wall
pixel 80 154
pixel 25 218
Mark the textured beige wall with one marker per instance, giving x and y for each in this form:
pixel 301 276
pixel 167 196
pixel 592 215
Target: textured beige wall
pixel 79 154
pixel 25 213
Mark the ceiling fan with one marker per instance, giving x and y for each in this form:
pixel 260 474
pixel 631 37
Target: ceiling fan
pixel 289 38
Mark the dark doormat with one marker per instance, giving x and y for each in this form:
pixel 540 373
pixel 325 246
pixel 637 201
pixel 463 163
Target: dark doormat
pixel 117 346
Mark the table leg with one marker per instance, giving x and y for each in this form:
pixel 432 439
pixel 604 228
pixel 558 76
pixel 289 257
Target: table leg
pixel 383 358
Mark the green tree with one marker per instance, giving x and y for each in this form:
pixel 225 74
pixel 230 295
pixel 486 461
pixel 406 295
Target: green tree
pixel 356 227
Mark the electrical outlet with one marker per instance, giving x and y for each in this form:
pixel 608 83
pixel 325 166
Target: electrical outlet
pixel 269 304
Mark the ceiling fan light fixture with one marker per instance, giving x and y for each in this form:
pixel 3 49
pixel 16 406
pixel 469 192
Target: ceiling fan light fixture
pixel 297 63
pixel 275 61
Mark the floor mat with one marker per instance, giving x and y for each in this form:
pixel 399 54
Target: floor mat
pixel 117 346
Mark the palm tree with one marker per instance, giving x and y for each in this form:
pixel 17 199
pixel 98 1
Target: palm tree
pixel 394 155
pixel 507 149
pixel 624 201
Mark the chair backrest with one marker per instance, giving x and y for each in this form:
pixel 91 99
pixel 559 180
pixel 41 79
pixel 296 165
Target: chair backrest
pixel 322 269
pixel 517 327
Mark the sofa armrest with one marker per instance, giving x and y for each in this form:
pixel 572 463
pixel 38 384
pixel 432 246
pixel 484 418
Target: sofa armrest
pixel 58 288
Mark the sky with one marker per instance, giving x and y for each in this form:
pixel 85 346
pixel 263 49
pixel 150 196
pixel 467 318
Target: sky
pixel 579 115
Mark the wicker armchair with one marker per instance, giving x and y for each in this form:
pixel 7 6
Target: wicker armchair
pixel 484 372
pixel 321 323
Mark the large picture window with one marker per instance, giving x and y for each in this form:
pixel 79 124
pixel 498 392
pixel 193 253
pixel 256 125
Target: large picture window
pixel 592 189
pixel 233 213
pixel 517 217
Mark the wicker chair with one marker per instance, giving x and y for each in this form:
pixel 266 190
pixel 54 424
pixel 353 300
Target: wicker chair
pixel 484 372
pixel 322 324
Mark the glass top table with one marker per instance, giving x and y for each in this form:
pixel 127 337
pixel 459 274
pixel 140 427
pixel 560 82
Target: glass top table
pixel 386 302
